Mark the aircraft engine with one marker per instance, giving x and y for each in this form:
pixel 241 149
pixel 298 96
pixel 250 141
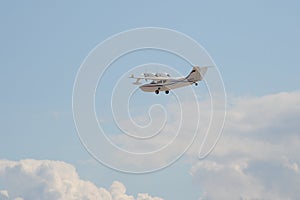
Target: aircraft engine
pixel 162 74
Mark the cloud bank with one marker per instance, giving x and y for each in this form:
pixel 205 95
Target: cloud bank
pixel 53 180
pixel 256 158
pixel 258 154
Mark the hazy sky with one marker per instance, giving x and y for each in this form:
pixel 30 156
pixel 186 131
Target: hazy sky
pixel 255 45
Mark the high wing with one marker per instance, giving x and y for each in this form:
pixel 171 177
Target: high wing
pixel 153 78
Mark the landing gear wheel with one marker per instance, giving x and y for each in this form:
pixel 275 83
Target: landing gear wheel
pixel 196 84
pixel 167 91
pixel 156 91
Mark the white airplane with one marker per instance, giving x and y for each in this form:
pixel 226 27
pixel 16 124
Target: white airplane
pixel 164 82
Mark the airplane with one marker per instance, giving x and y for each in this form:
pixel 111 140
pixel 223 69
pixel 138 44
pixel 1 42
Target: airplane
pixel 164 82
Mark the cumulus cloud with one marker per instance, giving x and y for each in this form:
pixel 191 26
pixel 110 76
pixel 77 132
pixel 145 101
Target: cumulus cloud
pixel 172 139
pixel 3 194
pixel 257 157
pixel 53 180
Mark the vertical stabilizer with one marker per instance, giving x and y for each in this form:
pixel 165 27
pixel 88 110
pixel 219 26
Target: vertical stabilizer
pixel 197 74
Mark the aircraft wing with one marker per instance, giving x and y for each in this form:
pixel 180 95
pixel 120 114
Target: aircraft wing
pixel 137 79
pixel 153 78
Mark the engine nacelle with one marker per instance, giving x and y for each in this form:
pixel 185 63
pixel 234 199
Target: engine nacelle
pixel 148 74
pixel 162 74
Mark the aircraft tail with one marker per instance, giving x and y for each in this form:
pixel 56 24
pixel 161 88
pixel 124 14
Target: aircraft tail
pixel 197 74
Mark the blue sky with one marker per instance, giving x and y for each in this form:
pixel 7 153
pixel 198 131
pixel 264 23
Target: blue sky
pixel 255 44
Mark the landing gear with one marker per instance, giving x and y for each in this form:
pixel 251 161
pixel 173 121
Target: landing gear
pixel 157 91
pixel 196 84
pixel 167 91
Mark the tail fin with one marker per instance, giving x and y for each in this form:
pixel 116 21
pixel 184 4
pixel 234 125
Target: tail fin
pixel 197 73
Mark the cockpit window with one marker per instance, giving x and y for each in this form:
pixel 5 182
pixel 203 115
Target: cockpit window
pixel 158 81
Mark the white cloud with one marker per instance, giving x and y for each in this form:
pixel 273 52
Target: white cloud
pixel 145 196
pixel 256 158
pixel 53 180
pixel 4 194
pixel 258 154
pixel 172 140
pixel 117 191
